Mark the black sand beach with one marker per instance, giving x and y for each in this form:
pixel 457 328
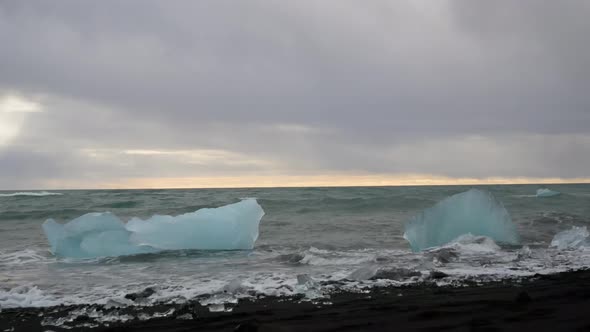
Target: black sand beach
pixel 542 303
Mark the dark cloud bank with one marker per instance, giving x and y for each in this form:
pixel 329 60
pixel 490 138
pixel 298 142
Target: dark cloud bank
pixel 214 88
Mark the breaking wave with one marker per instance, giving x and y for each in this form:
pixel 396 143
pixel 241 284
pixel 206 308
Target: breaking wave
pixel 26 296
pixel 31 193
pixel 544 192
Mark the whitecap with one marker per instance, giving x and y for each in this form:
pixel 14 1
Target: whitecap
pixel 31 193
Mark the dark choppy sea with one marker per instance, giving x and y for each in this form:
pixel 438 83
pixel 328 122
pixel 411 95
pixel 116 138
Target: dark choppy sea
pixel 311 240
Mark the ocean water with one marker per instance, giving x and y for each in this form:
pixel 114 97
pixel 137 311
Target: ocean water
pixel 312 241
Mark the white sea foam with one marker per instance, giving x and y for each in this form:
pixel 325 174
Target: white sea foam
pixel 471 258
pixel 26 296
pixel 469 243
pixel 21 257
pixel 319 257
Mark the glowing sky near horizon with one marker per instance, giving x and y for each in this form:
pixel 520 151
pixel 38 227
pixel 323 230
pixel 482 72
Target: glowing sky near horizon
pixel 265 93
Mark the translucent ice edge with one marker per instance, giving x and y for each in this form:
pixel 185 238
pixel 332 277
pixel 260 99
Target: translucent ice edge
pixel 475 212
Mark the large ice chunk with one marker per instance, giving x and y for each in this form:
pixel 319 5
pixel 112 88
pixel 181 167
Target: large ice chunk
pixel 544 192
pixel 573 238
pixel 233 226
pixel 475 212
pixel 91 235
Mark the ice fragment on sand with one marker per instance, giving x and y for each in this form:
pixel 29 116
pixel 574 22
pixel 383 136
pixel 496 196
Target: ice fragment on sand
pixel 575 237
pixel 364 273
pixel 308 286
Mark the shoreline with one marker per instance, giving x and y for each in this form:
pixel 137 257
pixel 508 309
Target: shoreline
pixel 542 302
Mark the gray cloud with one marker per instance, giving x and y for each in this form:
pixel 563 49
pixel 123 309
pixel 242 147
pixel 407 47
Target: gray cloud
pixel 457 88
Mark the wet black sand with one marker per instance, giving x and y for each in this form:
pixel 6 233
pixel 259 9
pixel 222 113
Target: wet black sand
pixel 559 302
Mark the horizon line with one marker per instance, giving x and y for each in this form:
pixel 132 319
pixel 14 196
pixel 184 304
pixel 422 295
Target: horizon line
pixel 305 186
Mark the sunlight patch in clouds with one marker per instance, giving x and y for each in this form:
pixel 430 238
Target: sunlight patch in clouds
pixel 190 157
pixel 13 112
pixel 15 104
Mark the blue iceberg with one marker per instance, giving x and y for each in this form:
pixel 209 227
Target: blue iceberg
pixel 544 192
pixel 230 227
pixel 475 212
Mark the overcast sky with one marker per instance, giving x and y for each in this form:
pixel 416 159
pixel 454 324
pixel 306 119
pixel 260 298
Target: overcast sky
pixel 97 94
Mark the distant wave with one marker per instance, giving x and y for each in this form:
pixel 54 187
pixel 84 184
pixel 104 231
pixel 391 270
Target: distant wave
pixel 120 205
pixel 355 204
pixel 523 196
pixel 544 192
pixel 28 193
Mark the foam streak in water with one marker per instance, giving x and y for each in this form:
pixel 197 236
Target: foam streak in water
pixel 229 227
pixel 475 212
pixel 34 194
